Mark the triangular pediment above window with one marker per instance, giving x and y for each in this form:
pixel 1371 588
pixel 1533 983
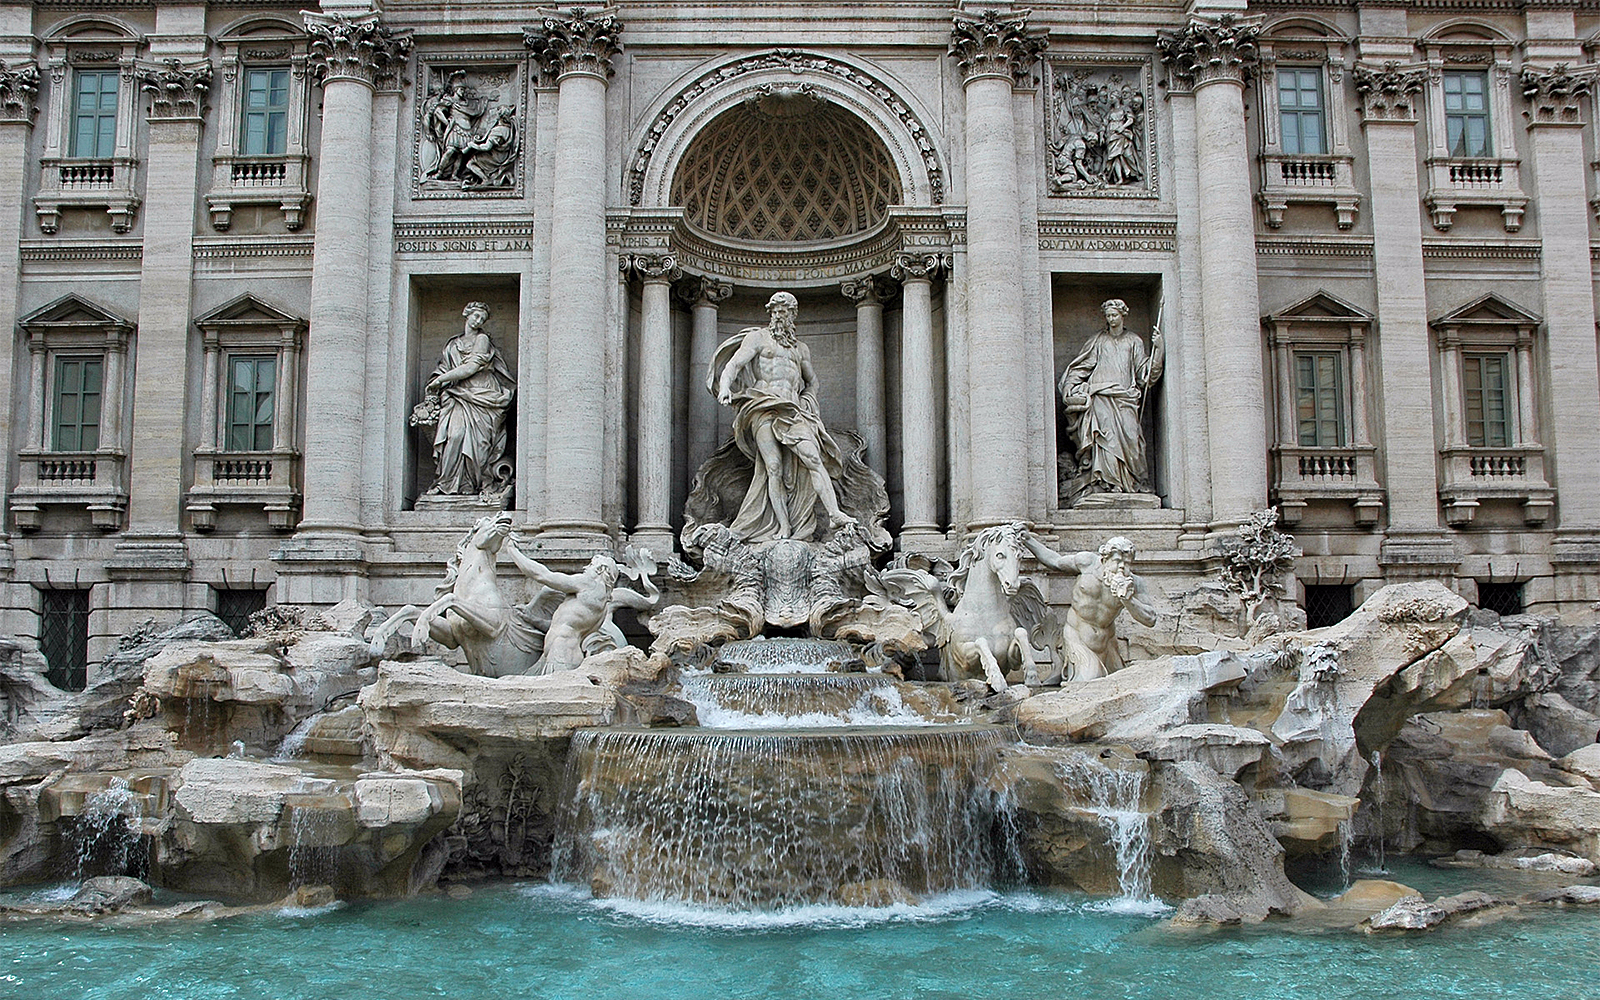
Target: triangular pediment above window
pixel 247 310
pixel 72 311
pixel 1321 306
pixel 1489 309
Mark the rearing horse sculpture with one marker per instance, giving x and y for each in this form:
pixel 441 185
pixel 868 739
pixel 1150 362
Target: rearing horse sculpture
pixel 987 631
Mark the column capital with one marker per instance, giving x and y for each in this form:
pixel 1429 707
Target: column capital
pixel 993 44
pixel 358 48
pixel 1212 50
pixel 1389 92
pixel 1554 95
pixel 918 266
pixel 19 92
pixel 662 267
pixel 866 289
pixel 177 89
pixel 702 290
pixel 576 41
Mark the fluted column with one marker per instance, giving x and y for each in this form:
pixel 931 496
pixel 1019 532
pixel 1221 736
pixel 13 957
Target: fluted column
pixel 703 296
pixel 654 484
pixel 349 55
pixel 1389 102
pixel 1215 59
pixel 868 293
pixel 177 90
pixel 19 91
pixel 995 52
pixel 918 413
pixel 576 49
pixel 1555 133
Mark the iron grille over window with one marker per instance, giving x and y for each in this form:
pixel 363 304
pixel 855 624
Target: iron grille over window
pixel 1328 605
pixel 235 607
pixel 1501 598
pixel 64 637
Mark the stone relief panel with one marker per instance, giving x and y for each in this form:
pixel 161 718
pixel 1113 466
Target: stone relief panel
pixel 469 136
pixel 1100 130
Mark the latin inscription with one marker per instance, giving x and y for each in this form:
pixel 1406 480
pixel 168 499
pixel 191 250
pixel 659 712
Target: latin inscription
pixel 508 245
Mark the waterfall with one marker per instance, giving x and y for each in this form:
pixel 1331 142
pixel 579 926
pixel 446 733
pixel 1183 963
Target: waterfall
pixel 106 830
pixel 809 701
pixel 778 820
pixel 788 656
pixel 1115 795
pixel 294 744
pixel 313 826
pixel 1344 854
pixel 1377 807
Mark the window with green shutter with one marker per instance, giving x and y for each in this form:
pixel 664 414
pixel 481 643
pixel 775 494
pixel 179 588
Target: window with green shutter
pixel 1486 380
pixel 1466 112
pixel 266 112
pixel 79 384
pixel 1300 110
pixel 1319 398
pixel 252 383
pixel 94 114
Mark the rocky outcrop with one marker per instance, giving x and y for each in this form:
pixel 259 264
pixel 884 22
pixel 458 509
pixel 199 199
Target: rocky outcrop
pixel 1523 812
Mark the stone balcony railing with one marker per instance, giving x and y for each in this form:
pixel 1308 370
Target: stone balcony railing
pixel 93 480
pixel 279 181
pixel 1486 181
pixel 81 183
pixel 1308 180
pixel 1474 475
pixel 1307 475
pixel 264 479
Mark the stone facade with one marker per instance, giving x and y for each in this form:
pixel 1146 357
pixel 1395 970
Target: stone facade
pixel 240 238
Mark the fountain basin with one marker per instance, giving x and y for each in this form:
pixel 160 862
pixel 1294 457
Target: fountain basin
pixel 802 700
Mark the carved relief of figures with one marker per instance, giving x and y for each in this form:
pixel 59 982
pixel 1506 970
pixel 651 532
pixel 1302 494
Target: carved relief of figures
pixel 1098 142
pixel 466 401
pixel 1104 391
pixel 468 138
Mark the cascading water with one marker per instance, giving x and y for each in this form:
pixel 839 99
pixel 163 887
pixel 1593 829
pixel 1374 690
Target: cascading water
pixel 106 831
pixel 1377 806
pixel 294 744
pixel 787 656
pixel 1116 796
pixel 810 701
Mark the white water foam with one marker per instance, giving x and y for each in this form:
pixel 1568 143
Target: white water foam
pixel 943 907
pixel 878 706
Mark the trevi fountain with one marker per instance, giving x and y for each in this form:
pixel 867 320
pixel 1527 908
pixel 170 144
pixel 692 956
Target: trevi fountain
pixel 827 769
pixel 786 735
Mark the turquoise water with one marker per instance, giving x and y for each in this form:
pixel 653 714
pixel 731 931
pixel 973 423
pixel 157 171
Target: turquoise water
pixel 538 941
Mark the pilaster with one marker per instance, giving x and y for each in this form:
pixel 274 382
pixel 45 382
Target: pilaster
pixel 653 419
pixel 918 414
pixel 19 91
pixel 868 293
pixel 704 296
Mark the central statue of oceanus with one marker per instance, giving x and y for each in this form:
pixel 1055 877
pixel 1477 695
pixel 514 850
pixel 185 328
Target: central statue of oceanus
pixel 783 475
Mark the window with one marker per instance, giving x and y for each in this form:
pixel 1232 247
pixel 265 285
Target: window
pixel 79 385
pixel 235 606
pixel 94 114
pixel 1466 113
pixel 1486 386
pixel 1501 598
pixel 1328 605
pixel 1319 399
pixel 266 112
pixel 64 637
pixel 1300 110
pixel 251 384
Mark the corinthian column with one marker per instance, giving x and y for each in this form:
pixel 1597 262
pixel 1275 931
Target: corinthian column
pixel 351 55
pixel 576 48
pixel 918 416
pixel 1215 59
pixel 19 91
pixel 1555 132
pixel 995 53
pixel 867 293
pixel 703 296
pixel 654 434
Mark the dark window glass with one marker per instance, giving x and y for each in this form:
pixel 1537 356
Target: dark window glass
pixel 1486 379
pixel 1328 605
pixel 1466 112
pixel 94 114
pixel 1300 110
pixel 77 404
pixel 64 637
pixel 266 112
pixel 1319 399
pixel 251 384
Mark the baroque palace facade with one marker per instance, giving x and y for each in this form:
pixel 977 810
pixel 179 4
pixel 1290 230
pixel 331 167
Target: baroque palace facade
pixel 242 242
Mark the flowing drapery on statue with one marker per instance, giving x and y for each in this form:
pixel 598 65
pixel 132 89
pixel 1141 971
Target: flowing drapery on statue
pixel 788 475
pixel 1103 391
pixel 467 400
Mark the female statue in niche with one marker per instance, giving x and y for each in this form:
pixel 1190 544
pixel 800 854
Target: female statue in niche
pixel 1103 391
pixel 467 400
